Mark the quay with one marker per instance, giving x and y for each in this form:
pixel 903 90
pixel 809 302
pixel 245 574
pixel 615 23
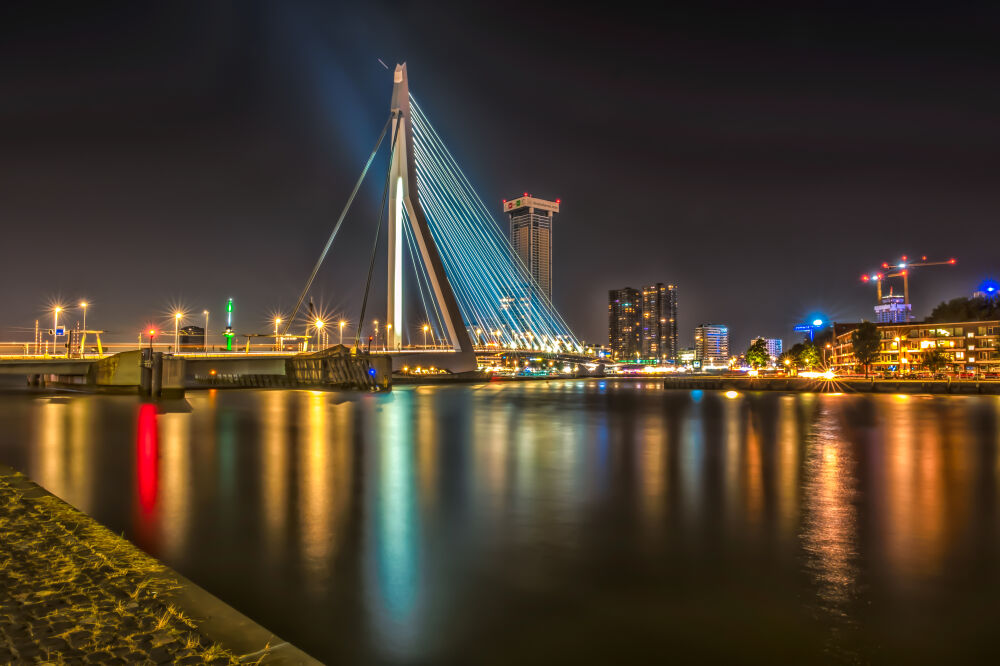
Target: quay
pixel 73 591
pixel 820 385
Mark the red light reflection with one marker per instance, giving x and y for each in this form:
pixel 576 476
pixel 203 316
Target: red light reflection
pixel 147 455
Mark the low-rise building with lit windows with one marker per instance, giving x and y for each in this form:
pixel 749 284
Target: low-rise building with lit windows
pixel 971 347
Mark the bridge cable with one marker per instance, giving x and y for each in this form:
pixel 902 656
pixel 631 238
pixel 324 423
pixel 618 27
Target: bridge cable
pixel 336 227
pixel 378 231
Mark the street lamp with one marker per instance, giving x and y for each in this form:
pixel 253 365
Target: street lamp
pixel 342 322
pixel 319 332
pixel 177 323
pixel 83 304
pixel 277 339
pixel 425 335
pixel 55 328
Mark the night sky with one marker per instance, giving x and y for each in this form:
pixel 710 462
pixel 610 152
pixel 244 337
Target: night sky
pixel 761 160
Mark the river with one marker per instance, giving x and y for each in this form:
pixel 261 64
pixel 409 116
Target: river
pixel 554 521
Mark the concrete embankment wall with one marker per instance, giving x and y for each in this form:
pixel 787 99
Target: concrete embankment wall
pixel 832 386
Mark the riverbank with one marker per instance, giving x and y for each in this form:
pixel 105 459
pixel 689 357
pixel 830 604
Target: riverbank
pixel 814 385
pixel 71 590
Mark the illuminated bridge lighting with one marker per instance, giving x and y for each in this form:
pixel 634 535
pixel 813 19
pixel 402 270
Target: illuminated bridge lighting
pixel 494 290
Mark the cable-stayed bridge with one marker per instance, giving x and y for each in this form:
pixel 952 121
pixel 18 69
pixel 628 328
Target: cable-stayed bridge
pixel 443 243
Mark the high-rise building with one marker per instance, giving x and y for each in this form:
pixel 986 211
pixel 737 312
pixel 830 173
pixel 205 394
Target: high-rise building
pixel 659 322
pixel 773 346
pixel 625 323
pixel 711 345
pixel 531 236
pixel 892 310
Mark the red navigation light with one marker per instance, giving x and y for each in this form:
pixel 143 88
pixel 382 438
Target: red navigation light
pixel 505 201
pixel 525 194
pixel 904 257
pixel 885 265
pixel 923 258
pixel 558 200
pixel 951 261
pixel 864 278
pixel 904 272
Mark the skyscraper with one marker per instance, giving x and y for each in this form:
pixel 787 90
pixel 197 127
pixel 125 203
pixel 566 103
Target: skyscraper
pixel 711 345
pixel 892 310
pixel 659 322
pixel 625 323
pixel 531 236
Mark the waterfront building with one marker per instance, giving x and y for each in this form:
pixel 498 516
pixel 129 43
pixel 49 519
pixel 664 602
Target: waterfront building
pixel 774 346
pixel 531 235
pixel 711 345
pixel 972 347
pixel 625 323
pixel 893 310
pixel 659 322
pixel 687 356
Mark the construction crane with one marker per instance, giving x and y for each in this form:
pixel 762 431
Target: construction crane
pixel 902 269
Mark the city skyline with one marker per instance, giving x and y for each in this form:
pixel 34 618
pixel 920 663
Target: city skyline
pixel 235 167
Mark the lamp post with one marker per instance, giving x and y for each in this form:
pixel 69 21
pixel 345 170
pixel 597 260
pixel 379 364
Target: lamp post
pixel 177 323
pixel 277 339
pixel 55 328
pixel 319 332
pixel 205 344
pixel 376 336
pixel 83 304
pixel 425 335
pixel 342 322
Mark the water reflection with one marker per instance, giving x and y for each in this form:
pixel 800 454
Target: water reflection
pixel 395 534
pixel 434 522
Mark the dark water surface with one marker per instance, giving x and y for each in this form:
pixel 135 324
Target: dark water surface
pixel 553 522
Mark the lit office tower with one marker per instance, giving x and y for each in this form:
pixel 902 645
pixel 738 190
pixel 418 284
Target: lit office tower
pixel 531 236
pixel 624 323
pixel 659 322
pixel 892 310
pixel 711 345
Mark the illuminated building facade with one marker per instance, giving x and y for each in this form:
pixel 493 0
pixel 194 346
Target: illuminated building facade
pixel 774 346
pixel 711 345
pixel 659 322
pixel 893 310
pixel 971 347
pixel 625 323
pixel 531 235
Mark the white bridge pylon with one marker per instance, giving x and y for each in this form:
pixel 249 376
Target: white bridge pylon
pixel 403 194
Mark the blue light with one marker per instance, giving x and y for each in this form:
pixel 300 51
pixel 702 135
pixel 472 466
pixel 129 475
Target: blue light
pixel 371 371
pixel 817 322
pixel 989 286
